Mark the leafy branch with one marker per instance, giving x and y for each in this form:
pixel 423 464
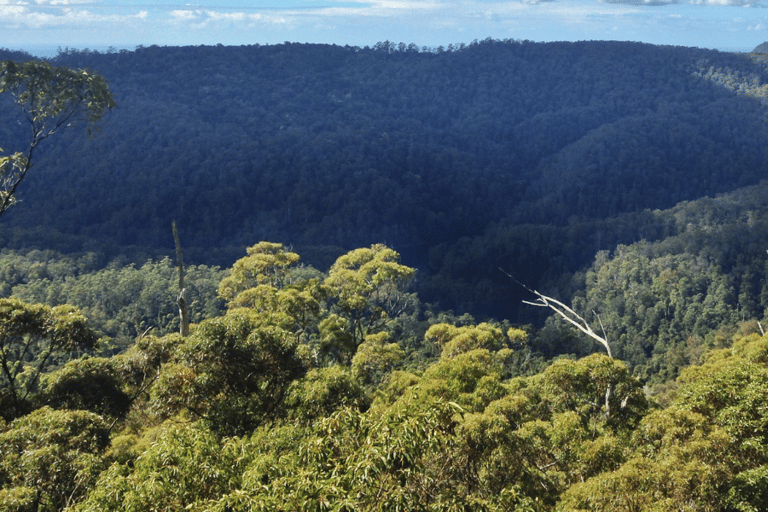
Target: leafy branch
pixel 50 98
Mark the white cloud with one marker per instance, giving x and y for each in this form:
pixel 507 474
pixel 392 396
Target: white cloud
pixel 210 19
pixel 182 14
pixel 62 2
pixel 56 14
pixel 11 13
pixel 720 3
pixel 318 17
pixel 650 3
pixel 731 3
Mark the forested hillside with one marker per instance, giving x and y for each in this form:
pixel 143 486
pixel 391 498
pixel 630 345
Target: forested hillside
pixel 546 153
pixel 619 184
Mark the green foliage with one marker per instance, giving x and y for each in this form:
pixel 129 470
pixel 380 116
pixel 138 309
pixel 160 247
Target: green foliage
pixel 705 451
pixel 375 358
pixel 543 176
pixel 141 362
pixel 514 166
pixel 347 461
pixel 457 340
pixel 681 461
pixel 247 414
pixel 356 462
pixel 596 386
pixel 336 342
pixel 187 467
pixel 728 389
pixel 50 98
pixel 369 285
pixel 50 459
pixel 266 264
pixel 34 337
pixel 232 370
pixel 323 391
pixel 124 301
pixel 748 490
pixel 663 303
pixel 655 307
pixel 471 379
pixel 91 384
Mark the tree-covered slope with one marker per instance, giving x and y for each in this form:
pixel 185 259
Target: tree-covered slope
pixel 302 395
pixel 329 148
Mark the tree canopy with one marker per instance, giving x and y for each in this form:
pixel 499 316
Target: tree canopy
pixel 253 411
pixel 514 154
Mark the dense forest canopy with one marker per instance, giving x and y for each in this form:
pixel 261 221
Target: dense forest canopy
pixel 542 150
pixel 322 371
pixel 327 391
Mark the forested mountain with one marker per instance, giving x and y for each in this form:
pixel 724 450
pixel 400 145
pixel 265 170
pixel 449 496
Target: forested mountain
pixel 527 156
pixel 622 181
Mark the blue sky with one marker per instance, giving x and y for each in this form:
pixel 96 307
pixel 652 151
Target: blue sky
pixel 40 26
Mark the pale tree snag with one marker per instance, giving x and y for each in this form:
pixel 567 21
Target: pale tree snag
pixel 570 316
pixel 580 323
pixel 566 313
pixel 181 299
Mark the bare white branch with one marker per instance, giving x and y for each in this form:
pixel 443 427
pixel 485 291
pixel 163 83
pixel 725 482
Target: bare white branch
pixel 568 315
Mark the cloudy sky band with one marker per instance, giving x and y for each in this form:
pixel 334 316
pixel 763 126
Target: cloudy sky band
pixel 80 23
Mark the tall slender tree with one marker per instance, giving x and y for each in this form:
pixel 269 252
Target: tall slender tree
pixel 50 98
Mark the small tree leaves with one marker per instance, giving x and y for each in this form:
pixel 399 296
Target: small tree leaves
pixel 50 98
pixel 54 96
pixel 33 337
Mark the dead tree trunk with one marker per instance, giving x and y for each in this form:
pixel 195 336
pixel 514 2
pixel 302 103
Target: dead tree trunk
pixel 181 299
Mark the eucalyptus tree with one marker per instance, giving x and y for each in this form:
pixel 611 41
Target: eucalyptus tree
pixel 34 337
pixel 50 98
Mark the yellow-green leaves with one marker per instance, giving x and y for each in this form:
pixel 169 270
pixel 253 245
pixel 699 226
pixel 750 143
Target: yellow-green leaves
pixel 50 459
pixel 267 263
pixel 369 285
pixel 186 468
pixel 369 274
pixel 375 358
pixel 457 340
pixel 681 462
pixel 32 337
pixel 232 371
pixel 322 391
pixel 598 387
